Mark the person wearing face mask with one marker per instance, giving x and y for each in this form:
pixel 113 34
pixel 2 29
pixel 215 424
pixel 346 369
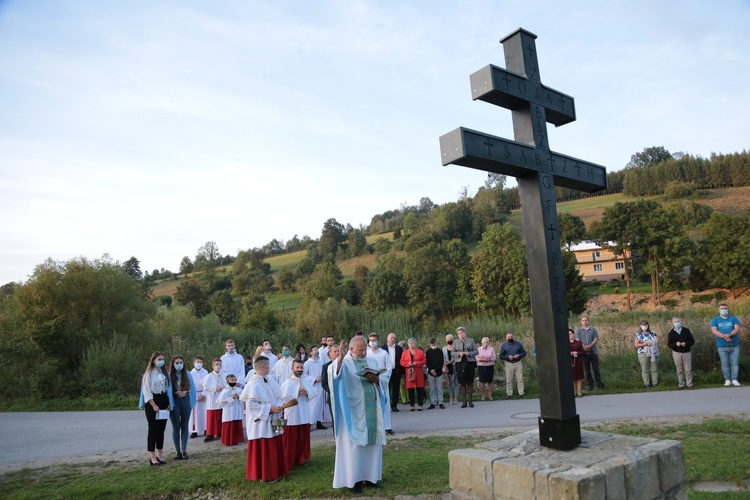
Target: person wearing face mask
pixel 232 411
pixel 213 384
pixel 184 396
pixel 156 399
pixel 680 340
pixel 464 353
pixel 358 406
pixel 380 359
pixel 282 370
pixel 197 423
pixel 726 329
pixel 449 369
pixel 512 352
pixel 435 364
pixel 647 343
pixel 233 362
pixel 297 430
pixel 268 354
pixel 486 367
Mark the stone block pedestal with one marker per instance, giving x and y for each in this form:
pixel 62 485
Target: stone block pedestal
pixel 604 466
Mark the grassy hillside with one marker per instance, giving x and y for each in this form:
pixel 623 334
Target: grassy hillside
pixel 730 200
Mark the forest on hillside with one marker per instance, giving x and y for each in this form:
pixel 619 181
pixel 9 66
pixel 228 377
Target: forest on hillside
pixel 443 263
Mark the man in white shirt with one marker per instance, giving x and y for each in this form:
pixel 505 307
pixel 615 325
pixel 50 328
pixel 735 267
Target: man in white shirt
pixel 380 359
pixel 282 370
pixel 232 363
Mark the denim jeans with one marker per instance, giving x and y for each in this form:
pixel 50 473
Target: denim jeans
pixel 730 361
pixel 180 418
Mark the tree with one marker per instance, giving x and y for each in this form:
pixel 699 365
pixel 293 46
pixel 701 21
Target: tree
pixel 724 256
pixel 357 243
pixel 190 293
pixel 499 274
pixel 132 267
pixel 425 205
pixel 575 292
pixel 207 260
pixel 649 156
pixel 431 280
pixel 325 282
pixel 285 279
pixel 225 306
pixel 257 315
pixel 66 306
pixel 333 234
pixel 186 266
pixel 385 287
pixel 572 229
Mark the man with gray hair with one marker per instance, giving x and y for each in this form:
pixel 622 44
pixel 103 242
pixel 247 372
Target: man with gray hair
pixel 358 408
pixel 680 340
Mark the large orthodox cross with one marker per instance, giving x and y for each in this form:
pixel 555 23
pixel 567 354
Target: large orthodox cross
pixel 539 170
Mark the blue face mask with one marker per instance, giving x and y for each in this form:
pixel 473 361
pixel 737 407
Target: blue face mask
pixel 724 313
pixel 285 352
pixel 178 366
pixel 677 325
pixel 159 363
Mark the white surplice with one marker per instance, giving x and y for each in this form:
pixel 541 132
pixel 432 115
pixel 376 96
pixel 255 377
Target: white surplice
pixel 312 370
pixel 282 370
pixel 259 395
pixel 198 414
pixel 298 414
pixel 231 408
pixel 381 360
pixel 233 364
pixel 212 385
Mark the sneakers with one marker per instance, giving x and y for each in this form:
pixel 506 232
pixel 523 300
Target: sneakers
pixel 442 407
pixel 735 383
pixel 432 406
pixel 390 432
pixel 727 383
pixel 319 425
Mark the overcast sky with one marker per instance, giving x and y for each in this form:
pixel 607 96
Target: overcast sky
pixel 147 128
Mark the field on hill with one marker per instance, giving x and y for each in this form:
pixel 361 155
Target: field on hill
pixel 730 200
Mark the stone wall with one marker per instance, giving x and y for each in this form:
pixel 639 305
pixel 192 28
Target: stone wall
pixel 604 466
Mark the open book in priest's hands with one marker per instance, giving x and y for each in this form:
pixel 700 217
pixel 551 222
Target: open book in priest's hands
pixel 364 371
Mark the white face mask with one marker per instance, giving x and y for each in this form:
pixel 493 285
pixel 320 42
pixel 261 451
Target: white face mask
pixel 373 343
pixel 644 328
pixel 724 312
pixel 198 366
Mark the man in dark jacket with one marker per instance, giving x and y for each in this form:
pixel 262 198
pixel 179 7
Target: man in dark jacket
pixel 512 352
pixel 333 353
pixel 435 363
pixel 680 340
pixel 394 385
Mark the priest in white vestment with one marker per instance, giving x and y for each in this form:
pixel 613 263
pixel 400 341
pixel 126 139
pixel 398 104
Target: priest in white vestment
pixel 266 460
pixel 297 430
pixel 358 404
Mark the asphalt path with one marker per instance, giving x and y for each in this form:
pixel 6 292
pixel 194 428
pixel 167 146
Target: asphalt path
pixel 32 437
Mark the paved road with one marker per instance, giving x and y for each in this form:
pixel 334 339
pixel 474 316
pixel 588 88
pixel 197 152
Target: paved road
pixel 29 437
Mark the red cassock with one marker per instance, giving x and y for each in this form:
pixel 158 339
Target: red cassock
pixel 419 361
pixel 232 433
pixel 266 460
pixel 297 444
pixel 213 422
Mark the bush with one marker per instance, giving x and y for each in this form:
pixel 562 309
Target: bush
pixel 112 367
pixel 679 190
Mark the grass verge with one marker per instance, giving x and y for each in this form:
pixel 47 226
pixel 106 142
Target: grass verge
pixel 714 450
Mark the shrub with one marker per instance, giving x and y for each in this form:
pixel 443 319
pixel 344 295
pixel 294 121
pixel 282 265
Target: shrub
pixel 679 190
pixel 112 367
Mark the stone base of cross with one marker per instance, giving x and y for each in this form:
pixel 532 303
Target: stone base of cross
pixel 538 170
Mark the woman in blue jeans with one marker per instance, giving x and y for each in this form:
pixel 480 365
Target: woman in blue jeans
pixel 184 395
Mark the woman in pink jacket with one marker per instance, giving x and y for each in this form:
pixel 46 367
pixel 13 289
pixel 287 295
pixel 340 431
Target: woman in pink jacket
pixel 486 367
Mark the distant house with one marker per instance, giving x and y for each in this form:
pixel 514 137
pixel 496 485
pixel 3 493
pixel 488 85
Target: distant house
pixel 596 263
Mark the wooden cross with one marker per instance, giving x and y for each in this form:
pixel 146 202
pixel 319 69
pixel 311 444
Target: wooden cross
pixel 539 170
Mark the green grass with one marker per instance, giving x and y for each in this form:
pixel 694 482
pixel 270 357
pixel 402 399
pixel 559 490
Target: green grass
pixel 284 301
pixel 224 472
pixel 714 450
pixel 285 260
pixel 79 404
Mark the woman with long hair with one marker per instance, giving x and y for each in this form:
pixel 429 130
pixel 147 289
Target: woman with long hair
pixel 156 396
pixel 184 398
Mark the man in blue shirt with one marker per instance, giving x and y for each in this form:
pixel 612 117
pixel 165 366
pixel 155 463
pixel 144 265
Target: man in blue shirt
pixel 512 352
pixel 726 329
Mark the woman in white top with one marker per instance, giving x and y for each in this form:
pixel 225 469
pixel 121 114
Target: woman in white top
pixel 156 394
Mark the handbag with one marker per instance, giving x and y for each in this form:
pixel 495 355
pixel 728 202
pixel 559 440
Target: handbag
pixel 412 374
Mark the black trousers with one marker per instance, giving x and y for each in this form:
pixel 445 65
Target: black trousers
pixel 155 440
pixel 591 360
pixel 394 385
pixel 420 396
